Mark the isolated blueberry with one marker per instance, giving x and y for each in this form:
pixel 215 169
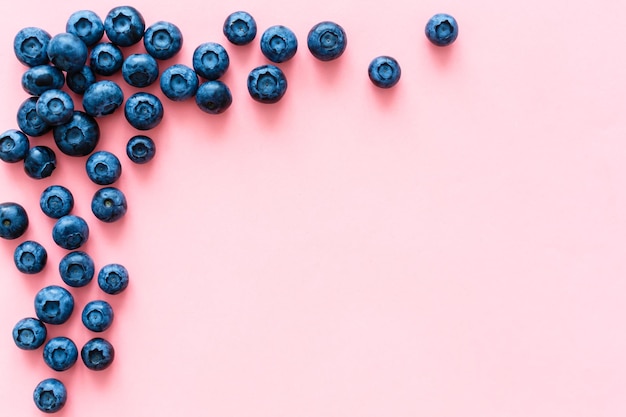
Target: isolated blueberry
pixel 327 41
pixel 60 353
pixel 79 81
pixel 41 78
pixel 50 395
pixel 56 201
pixel 97 315
pixel 240 28
pixel 29 333
pixel 442 29
pixel 143 111
pixel 40 162
pixel 140 149
pixel 87 25
pixel 384 71
pixel 140 70
pixel 29 121
pixel 102 98
pixel 163 40
pixel 14 145
pixel 103 168
pixel 106 59
pixel 31 46
pixel 113 278
pixel 124 25
pixel 79 136
pixel 55 107
pixel 109 204
pixel 30 257
pixel 70 232
pixel 77 269
pixel 210 60
pixel 213 97
pixel 67 52
pixel 97 354
pixel 54 304
pixel 13 220
pixel 267 84
pixel 279 43
pixel 179 82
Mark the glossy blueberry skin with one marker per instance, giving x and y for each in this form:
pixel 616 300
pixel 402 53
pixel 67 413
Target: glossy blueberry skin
pixel 102 98
pixel 70 232
pixel 56 201
pixel 113 279
pixel 31 46
pixel 442 29
pixel 41 78
pixel 50 395
pixel 179 82
pixel 213 97
pixel 79 81
pixel 103 168
pixel 30 257
pixel 97 354
pixel 79 136
pixel 327 41
pixel 279 43
pixel 40 162
pixel 109 204
pixel 97 315
pixel 140 149
pixel 14 145
pixel 60 353
pixel 267 84
pixel 29 333
pixel 210 60
pixel 67 52
pixel 77 269
pixel 55 107
pixel 87 25
pixel 384 71
pixel 140 70
pixel 124 25
pixel 13 220
pixel 106 59
pixel 240 28
pixel 54 304
pixel 163 40
pixel 143 111
pixel 29 121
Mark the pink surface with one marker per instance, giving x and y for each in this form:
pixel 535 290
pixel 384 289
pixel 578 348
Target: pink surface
pixel 451 247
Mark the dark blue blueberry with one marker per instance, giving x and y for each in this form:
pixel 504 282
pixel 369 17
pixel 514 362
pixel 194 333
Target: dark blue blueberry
pixel 29 121
pixel 179 82
pixel 143 111
pixel 54 304
pixel 13 220
pixel 31 46
pixel 102 98
pixel 210 60
pixel 240 28
pixel 113 279
pixel 109 204
pixel 140 70
pixel 384 71
pixel 29 333
pixel 106 59
pixel 70 232
pixel 279 43
pixel 79 136
pixel 14 146
pixel 327 41
pixel 140 149
pixel 40 162
pixel 60 353
pixel 97 354
pixel 87 25
pixel 124 25
pixel 103 168
pixel 213 97
pixel 50 395
pixel 67 52
pixel 79 81
pixel 163 40
pixel 56 201
pixel 42 78
pixel 267 84
pixel 30 257
pixel 97 316
pixel 442 29
pixel 77 269
pixel 55 107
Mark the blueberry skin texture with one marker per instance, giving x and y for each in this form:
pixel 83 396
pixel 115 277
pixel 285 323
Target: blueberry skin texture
pixel 97 316
pixel 13 220
pixel 30 257
pixel 267 84
pixel 79 136
pixel 213 97
pixel 179 82
pixel 108 204
pixel 163 40
pixel 79 81
pixel 29 333
pixel 113 279
pixel 327 41
pixel 67 52
pixel 279 43
pixel 210 60
pixel 97 354
pixel 41 78
pixel 56 201
pixel 384 71
pixel 87 25
pixel 70 232
pixel 14 145
pixel 106 59
pixel 54 304
pixel 77 269
pixel 144 111
pixel 31 46
pixel 102 98
pixel 29 121
pixel 103 168
pixel 60 353
pixel 55 107
pixel 40 162
pixel 50 395
pixel 240 28
pixel 140 70
pixel 442 29
pixel 124 25
pixel 140 149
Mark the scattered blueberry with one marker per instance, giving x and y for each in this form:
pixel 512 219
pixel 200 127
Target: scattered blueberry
pixel 54 304
pixel 97 354
pixel 103 168
pixel 213 97
pixel 124 25
pixel 240 28
pixel 140 70
pixel 97 316
pixel 55 107
pixel 13 220
pixel 143 111
pixel 67 52
pixel 106 59
pixel 279 43
pixel 87 25
pixel 56 201
pixel 60 353
pixel 50 395
pixel 108 204
pixel 29 121
pixel 210 60
pixel 31 46
pixel 30 257
pixel 29 333
pixel 42 78
pixel 113 279
pixel 14 145
pixel 140 149
pixel 442 29
pixel 40 162
pixel 102 98
pixel 76 269
pixel 79 136
pixel 327 41
pixel 163 40
pixel 267 84
pixel 384 71
pixel 79 81
pixel 70 232
pixel 179 82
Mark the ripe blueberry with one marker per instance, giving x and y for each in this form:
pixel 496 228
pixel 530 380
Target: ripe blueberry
pixel 31 46
pixel 327 41
pixel 442 29
pixel 60 353
pixel 30 257
pixel 103 168
pixel 102 98
pixel 29 121
pixel 76 269
pixel 267 84
pixel 50 395
pixel 140 149
pixel 124 25
pixel 97 354
pixel 163 40
pixel 279 43
pixel 79 81
pixel 108 204
pixel 210 60
pixel 79 136
pixel 70 232
pixel 240 28
pixel 13 220
pixel 213 97
pixel 56 201
pixel 87 25
pixel 97 316
pixel 113 278
pixel 67 52
pixel 140 70
pixel 29 333
pixel 55 107
pixel 54 304
pixel 179 82
pixel 384 71
pixel 40 162
pixel 14 146
pixel 41 78
pixel 106 58
pixel 143 111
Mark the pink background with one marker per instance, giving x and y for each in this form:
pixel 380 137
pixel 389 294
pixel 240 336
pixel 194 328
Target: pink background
pixel 451 247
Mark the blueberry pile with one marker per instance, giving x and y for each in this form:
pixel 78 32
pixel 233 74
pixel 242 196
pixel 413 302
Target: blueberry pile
pixel 79 60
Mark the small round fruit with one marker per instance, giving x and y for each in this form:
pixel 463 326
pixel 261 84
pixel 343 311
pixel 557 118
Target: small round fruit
pixel 50 395
pixel 40 162
pixel 42 78
pixel 327 41
pixel 31 46
pixel 76 269
pixel 80 81
pixel 210 60
pixel 30 257
pixel 140 70
pixel 113 278
pixel 179 82
pixel 54 304
pixel 103 168
pixel 267 84
pixel 106 59
pixel 384 71
pixel 87 25
pixel 14 145
pixel 29 333
pixel 240 28
pixel 109 204
pixel 70 232
pixel 97 315
pixel 442 29
pixel 102 98
pixel 279 43
pixel 67 52
pixel 29 121
pixel 97 354
pixel 144 111
pixel 56 201
pixel 55 107
pixel 79 136
pixel 60 353
pixel 140 149
pixel 13 220
pixel 163 40
pixel 124 25
pixel 213 97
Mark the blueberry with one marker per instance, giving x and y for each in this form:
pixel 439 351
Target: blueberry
pixel 97 354
pixel 54 304
pixel 67 52
pixel 56 201
pixel 14 145
pixel 30 257
pixel 113 279
pixel 106 59
pixel 210 60
pixel 97 316
pixel 384 71
pixel 55 107
pixel 70 232
pixel 124 25
pixel 79 81
pixel 87 25
pixel 108 204
pixel 76 269
pixel 41 78
pixel 327 41
pixel 102 98
pixel 29 333
pixel 267 84
pixel 143 111
pixel 163 40
pixel 179 82
pixel 29 121
pixel 40 162
pixel 79 136
pixel 60 353
pixel 240 28
pixel 13 220
pixel 31 46
pixel 213 97
pixel 140 149
pixel 140 70
pixel 50 395
pixel 279 43
pixel 103 168
pixel 442 29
